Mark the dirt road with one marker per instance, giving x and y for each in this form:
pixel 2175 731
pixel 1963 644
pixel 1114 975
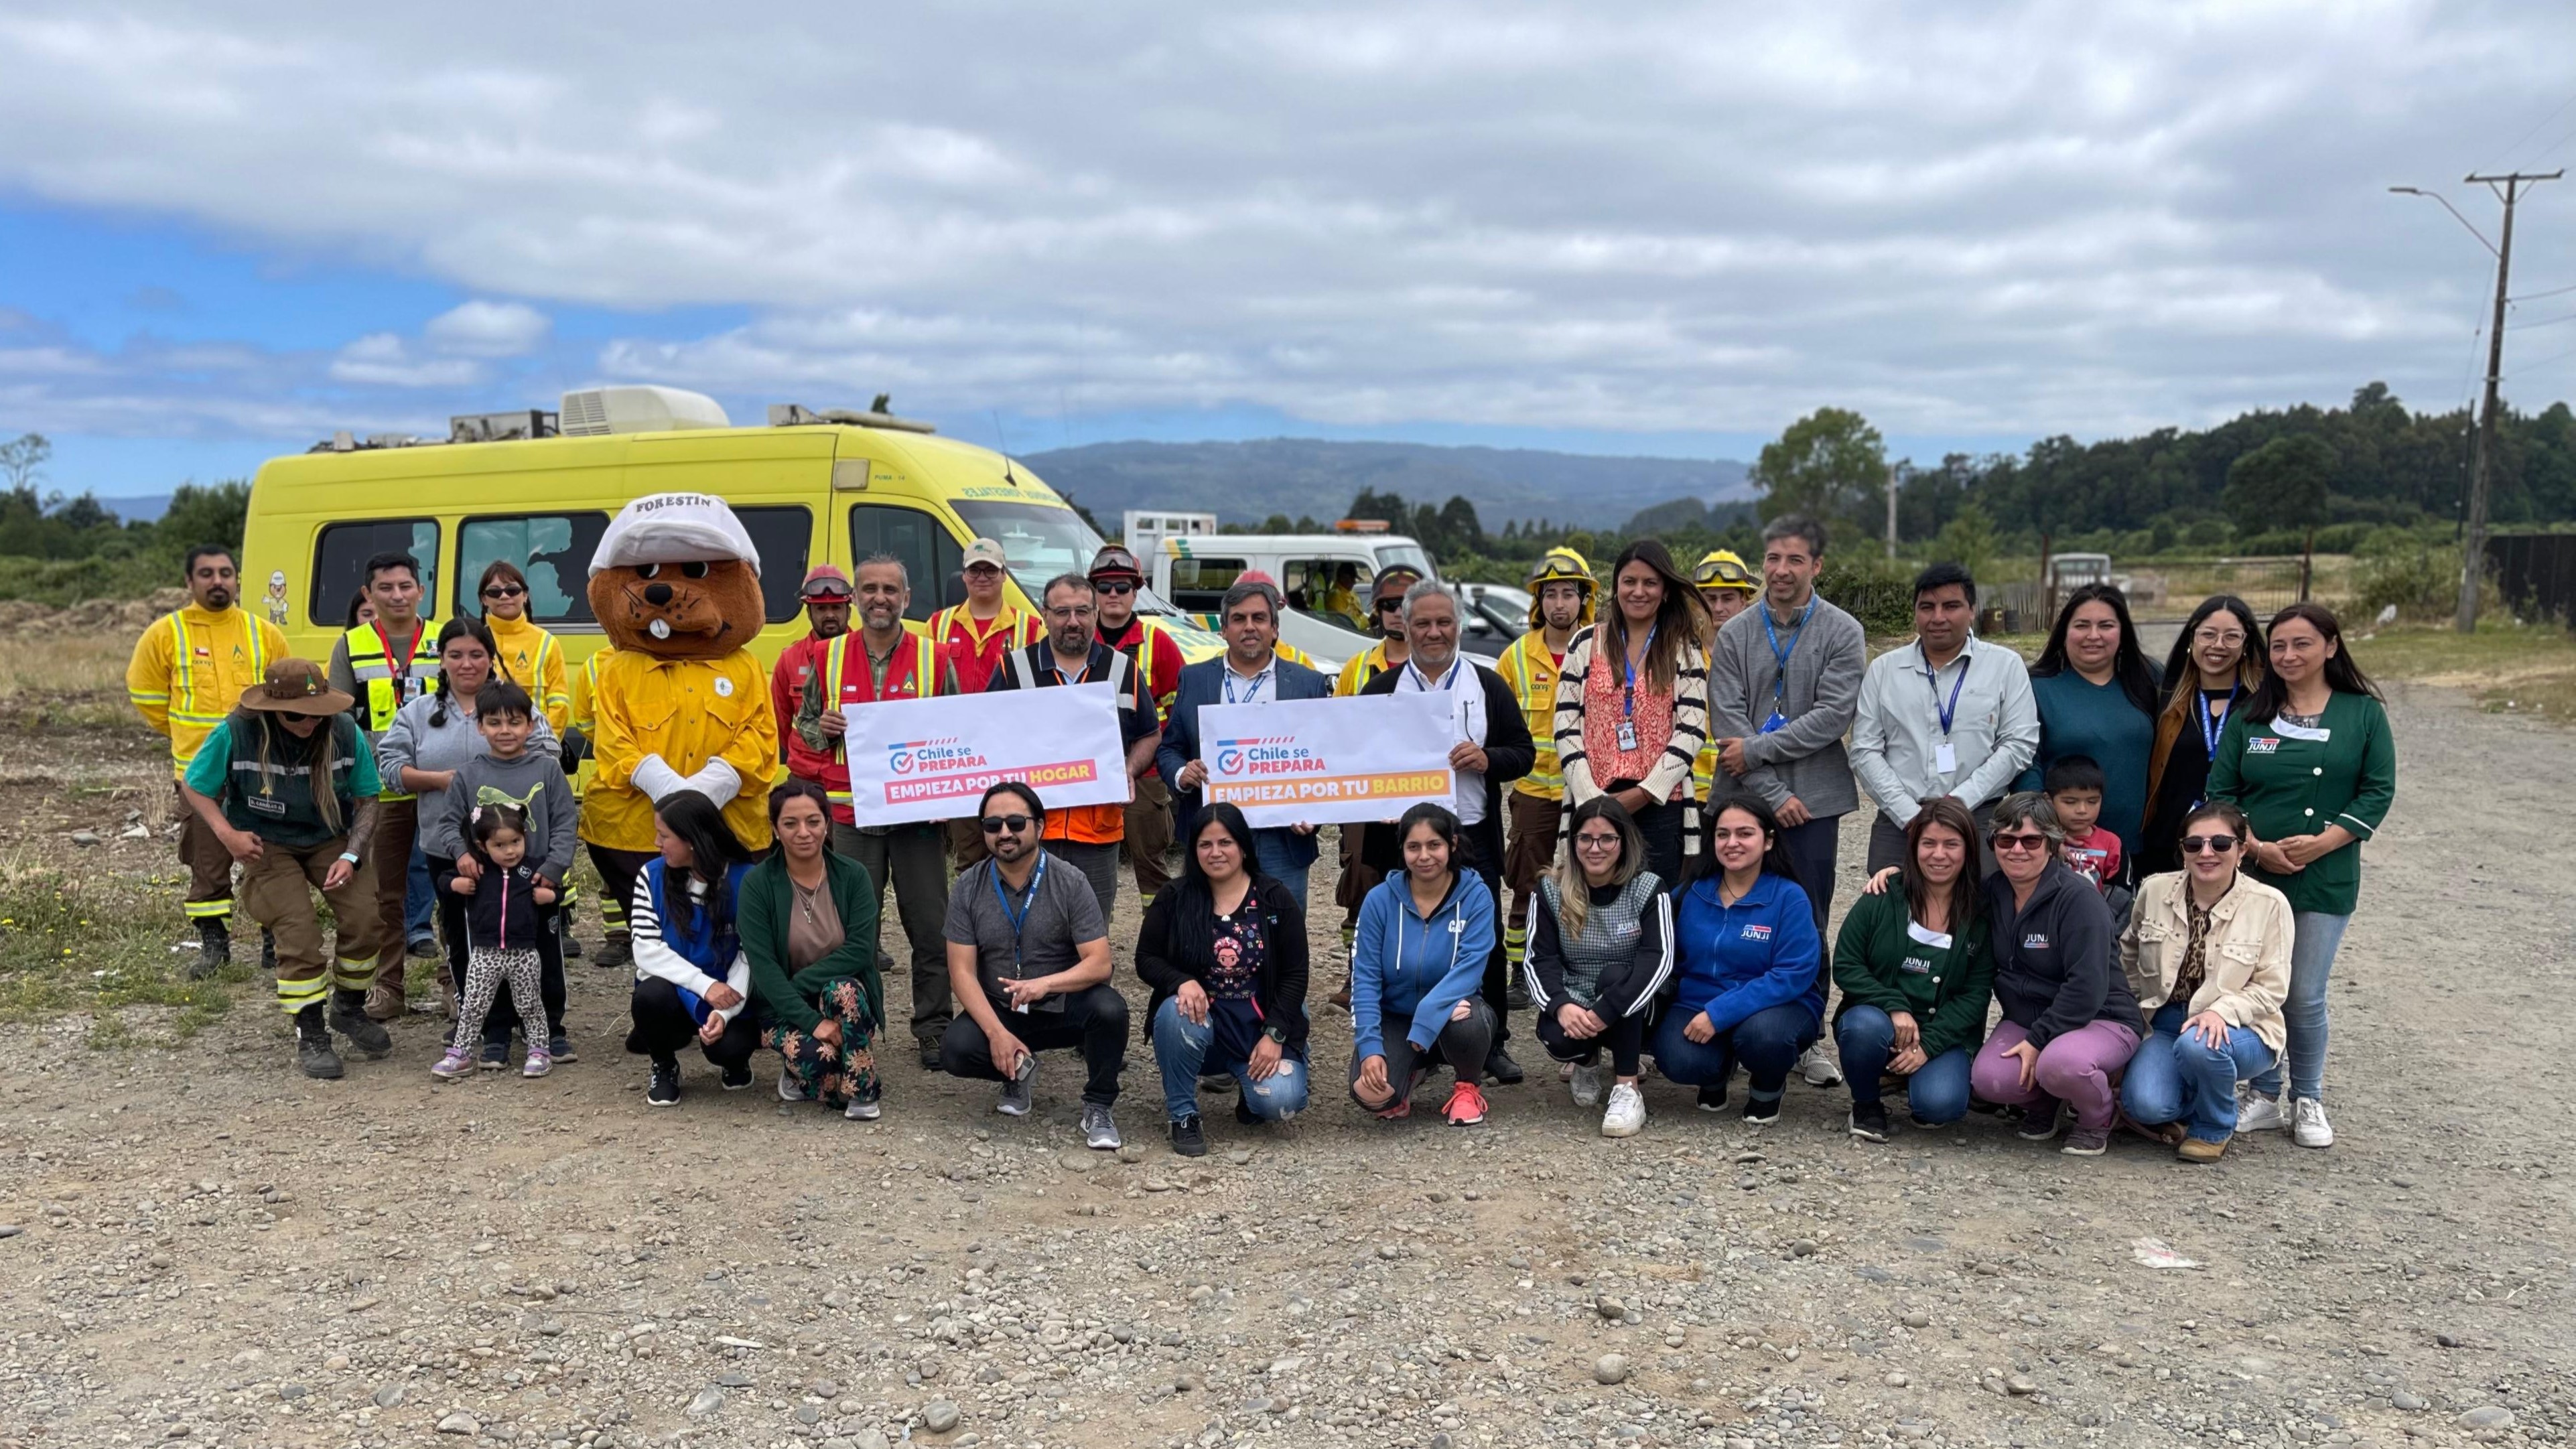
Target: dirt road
pixel 204 1248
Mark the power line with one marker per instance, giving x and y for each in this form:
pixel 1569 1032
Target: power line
pixel 2536 296
pixel 2554 112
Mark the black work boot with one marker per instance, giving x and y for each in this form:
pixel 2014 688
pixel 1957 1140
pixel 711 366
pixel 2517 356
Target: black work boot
pixel 268 950
pixel 313 1054
pixel 349 1018
pixel 618 949
pixel 214 949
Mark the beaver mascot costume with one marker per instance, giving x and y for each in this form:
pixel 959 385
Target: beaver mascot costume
pixel 681 704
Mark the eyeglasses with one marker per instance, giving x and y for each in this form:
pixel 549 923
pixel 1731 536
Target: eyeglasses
pixel 1596 842
pixel 1121 587
pixel 2005 843
pixel 2230 639
pixel 1383 605
pixel 2213 844
pixel 503 591
pixel 1005 824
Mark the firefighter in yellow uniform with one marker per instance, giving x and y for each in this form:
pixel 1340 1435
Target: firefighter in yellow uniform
pixel 1725 586
pixel 188 671
pixel 1561 589
pixel 529 654
pixel 1386 605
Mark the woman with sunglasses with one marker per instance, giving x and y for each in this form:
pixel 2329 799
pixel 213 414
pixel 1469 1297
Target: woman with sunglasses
pixel 1600 952
pixel 2312 763
pixel 1750 987
pixel 2208 953
pixel 2070 1022
pixel 1224 949
pixel 1917 966
pixel 531 655
pixel 2216 662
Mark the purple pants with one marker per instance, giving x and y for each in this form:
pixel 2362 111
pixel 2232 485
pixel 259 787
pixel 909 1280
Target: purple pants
pixel 2078 1068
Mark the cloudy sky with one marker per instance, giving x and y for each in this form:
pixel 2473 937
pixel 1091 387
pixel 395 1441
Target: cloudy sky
pixel 227 229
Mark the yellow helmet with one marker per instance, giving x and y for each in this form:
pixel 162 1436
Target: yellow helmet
pixel 1562 565
pixel 1719 568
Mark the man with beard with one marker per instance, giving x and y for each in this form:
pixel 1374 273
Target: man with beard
pixel 1117 579
pixel 188 671
pixel 826 597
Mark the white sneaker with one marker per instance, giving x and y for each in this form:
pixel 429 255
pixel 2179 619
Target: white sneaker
pixel 1099 1129
pixel 790 1089
pixel 1627 1111
pixel 1016 1094
pixel 1585 1083
pixel 859 1111
pixel 2312 1129
pixel 1818 1068
pixel 2258 1113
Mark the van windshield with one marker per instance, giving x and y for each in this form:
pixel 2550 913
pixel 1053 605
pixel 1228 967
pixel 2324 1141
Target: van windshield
pixel 1041 540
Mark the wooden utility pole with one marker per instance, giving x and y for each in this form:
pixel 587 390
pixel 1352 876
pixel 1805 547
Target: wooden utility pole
pixel 2473 546
pixel 1891 513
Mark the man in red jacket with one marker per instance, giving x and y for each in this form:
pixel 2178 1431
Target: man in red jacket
pixel 826 596
pixel 1118 578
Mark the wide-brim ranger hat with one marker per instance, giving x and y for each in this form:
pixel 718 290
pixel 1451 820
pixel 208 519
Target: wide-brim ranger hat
pixel 1720 568
pixel 296 686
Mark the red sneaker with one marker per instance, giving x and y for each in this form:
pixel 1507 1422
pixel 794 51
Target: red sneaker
pixel 1466 1106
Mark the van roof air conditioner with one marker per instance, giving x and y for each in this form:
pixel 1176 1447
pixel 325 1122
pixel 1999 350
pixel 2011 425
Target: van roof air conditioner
pixel 599 411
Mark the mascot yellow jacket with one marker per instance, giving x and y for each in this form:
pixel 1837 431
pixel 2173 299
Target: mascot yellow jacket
pixel 682 703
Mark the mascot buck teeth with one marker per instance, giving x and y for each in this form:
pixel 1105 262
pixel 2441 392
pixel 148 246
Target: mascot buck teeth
pixel 681 702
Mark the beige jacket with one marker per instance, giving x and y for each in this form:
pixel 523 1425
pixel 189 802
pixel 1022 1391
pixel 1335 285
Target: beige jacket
pixel 2246 957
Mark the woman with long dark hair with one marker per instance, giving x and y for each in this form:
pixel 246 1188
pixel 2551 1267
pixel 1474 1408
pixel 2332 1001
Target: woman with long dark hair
pixel 2311 761
pixel 2215 665
pixel 1632 703
pixel 692 980
pixel 2097 697
pixel 1917 967
pixel 1417 969
pixel 532 655
pixel 1600 952
pixel 1749 987
pixel 809 932
pixel 1224 949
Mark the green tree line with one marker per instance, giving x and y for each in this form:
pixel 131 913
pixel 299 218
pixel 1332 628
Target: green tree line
pixel 61 551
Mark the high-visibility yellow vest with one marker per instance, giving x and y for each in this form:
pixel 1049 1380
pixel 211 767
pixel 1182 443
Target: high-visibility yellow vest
pixel 381 693
pixel 920 682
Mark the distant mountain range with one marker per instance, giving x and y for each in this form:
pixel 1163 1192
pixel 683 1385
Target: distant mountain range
pixel 1247 482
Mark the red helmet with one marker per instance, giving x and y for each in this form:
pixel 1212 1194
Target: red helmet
pixel 1115 562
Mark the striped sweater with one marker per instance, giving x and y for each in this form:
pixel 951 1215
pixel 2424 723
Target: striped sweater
pixel 1673 768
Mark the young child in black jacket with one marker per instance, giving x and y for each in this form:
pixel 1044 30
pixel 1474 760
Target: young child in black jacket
pixel 501 930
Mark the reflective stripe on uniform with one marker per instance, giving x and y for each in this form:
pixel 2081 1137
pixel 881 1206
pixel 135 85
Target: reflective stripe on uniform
pixel 209 910
pixel 353 975
pixel 836 656
pixel 293 996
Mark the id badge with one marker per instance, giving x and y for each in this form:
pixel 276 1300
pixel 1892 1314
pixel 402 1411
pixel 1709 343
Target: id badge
pixel 1945 758
pixel 1777 721
pixel 1627 734
pixel 265 805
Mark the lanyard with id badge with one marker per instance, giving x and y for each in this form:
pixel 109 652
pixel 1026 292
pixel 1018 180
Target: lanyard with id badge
pixel 1780 664
pixel 1628 697
pixel 1945 756
pixel 1019 919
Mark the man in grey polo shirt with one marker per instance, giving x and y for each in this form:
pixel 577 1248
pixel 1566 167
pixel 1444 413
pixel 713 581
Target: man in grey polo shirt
pixel 1948 714
pixel 1783 685
pixel 1028 961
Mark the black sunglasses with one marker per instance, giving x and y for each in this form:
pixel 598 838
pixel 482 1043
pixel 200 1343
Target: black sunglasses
pixel 503 591
pixel 1385 604
pixel 998 824
pixel 2213 844
pixel 1113 586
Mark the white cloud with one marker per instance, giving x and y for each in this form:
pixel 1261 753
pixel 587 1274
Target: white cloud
pixel 2019 219
pixel 488 329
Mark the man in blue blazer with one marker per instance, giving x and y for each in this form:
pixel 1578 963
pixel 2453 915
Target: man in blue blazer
pixel 1249 672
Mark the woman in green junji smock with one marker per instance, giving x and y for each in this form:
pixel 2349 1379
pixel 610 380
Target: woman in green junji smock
pixel 2311 762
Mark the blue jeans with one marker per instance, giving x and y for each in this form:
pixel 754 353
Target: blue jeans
pixel 1767 1043
pixel 1936 1094
pixel 2312 954
pixel 2178 1078
pixel 1183 1048
pixel 420 898
pixel 1273 854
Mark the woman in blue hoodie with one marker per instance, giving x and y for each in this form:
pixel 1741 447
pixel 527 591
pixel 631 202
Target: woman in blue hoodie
pixel 1417 968
pixel 1751 984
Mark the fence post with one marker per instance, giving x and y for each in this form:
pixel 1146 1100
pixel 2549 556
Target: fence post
pixel 2047 585
pixel 2308 564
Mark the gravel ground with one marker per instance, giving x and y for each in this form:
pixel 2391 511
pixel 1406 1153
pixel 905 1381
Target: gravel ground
pixel 202 1247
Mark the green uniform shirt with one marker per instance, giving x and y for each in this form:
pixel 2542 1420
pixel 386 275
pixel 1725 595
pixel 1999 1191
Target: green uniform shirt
pixel 1878 962
pixel 2290 784
pixel 275 801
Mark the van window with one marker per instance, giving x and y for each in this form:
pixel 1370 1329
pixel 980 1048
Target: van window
pixel 340 564
pixel 784 537
pixel 1335 590
pixel 1410 555
pixel 553 549
pixel 930 553
pixel 1199 584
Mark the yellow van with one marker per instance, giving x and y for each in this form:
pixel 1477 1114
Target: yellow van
pixel 810 488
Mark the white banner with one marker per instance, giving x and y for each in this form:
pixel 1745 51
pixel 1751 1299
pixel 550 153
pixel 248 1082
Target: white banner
pixel 1321 761
pixel 933 759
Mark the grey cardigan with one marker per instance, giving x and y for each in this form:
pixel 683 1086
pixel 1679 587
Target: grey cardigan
pixel 1820 694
